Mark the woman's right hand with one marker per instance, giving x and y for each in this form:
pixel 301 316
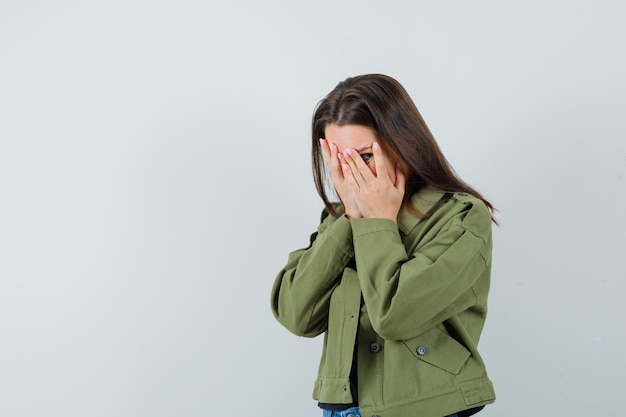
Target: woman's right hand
pixel 345 192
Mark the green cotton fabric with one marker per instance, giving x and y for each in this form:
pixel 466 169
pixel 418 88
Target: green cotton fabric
pixel 412 296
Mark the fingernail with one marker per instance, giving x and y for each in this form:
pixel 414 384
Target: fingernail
pixel 376 146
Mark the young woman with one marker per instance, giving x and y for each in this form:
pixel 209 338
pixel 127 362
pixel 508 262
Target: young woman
pixel 397 274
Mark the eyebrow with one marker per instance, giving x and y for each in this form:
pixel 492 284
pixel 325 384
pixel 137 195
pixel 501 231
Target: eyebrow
pixel 364 148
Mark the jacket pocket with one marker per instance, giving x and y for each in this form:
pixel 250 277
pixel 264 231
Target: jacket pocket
pixel 439 349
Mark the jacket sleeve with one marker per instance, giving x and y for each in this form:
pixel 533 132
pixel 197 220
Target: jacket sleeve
pixel 301 291
pixel 409 293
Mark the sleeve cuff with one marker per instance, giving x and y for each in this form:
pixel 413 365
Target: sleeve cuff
pixel 340 232
pixel 362 227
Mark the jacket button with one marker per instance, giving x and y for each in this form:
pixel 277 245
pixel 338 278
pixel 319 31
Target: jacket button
pixel 375 347
pixel 421 350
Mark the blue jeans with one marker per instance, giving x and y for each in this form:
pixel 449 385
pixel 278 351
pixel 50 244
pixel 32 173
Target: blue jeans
pixel 352 412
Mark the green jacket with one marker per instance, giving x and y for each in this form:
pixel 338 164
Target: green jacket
pixel 411 295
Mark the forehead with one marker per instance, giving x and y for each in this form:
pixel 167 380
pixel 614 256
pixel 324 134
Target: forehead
pixel 350 136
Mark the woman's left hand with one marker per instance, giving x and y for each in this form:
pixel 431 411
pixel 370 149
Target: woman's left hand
pixel 376 195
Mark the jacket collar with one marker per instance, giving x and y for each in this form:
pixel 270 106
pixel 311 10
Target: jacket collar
pixel 423 200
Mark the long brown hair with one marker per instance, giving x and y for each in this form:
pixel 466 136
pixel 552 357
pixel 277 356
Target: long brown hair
pixel 381 103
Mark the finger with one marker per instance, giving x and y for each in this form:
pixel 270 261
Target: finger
pixel 347 171
pixel 379 161
pixel 330 156
pixel 325 150
pixel 335 163
pixel 358 167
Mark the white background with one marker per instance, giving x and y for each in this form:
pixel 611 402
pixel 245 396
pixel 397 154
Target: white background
pixel 154 175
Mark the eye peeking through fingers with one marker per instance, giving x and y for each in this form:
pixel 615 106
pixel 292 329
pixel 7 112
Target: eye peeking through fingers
pixel 367 157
